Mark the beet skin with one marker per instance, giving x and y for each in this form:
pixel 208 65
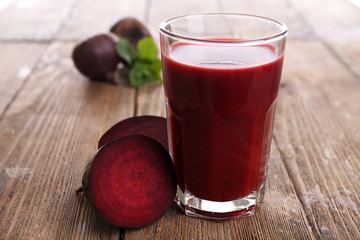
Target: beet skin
pixel 96 57
pixel 131 29
pixel 150 126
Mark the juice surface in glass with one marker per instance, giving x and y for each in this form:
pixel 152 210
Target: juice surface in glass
pixel 221 102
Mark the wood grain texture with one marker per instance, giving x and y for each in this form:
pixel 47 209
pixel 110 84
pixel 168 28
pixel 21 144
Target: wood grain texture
pixel 338 26
pixel 334 18
pixel 162 10
pixel 151 100
pixel 281 10
pixel 274 220
pixel 15 68
pixel 348 51
pixel 92 17
pixel 317 132
pixel 52 117
pixel 51 131
pixel 33 19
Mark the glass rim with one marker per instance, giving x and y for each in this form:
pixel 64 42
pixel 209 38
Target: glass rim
pixel 282 30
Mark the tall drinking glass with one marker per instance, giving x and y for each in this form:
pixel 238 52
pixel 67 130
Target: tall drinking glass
pixel 221 79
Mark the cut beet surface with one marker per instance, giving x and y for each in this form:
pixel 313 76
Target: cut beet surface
pixel 131 181
pixel 150 126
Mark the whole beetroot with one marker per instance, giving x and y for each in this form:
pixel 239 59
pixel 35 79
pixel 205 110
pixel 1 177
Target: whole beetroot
pixel 96 57
pixel 131 29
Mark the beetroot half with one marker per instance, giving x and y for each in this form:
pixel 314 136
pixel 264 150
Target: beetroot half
pixel 150 126
pixel 131 182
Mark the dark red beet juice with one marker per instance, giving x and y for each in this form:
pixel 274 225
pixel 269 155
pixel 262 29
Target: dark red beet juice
pixel 221 102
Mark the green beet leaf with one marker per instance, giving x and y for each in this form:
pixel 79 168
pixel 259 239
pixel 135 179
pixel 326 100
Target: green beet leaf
pixel 155 65
pixel 147 49
pixel 126 51
pixel 144 63
pixel 143 72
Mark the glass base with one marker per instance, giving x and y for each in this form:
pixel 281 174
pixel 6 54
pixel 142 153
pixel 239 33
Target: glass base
pixel 219 211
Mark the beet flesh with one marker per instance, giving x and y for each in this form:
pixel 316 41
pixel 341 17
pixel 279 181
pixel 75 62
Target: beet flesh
pixel 96 57
pixel 131 181
pixel 150 126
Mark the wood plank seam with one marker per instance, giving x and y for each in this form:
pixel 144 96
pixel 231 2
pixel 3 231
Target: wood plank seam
pixel 147 11
pixel 146 19
pixel 220 6
pixel 23 83
pixel 49 171
pixel 303 18
pixel 25 40
pixel 61 25
pixel 311 222
pixel 122 233
pixel 339 58
pixel 136 102
pixel 323 41
pixel 312 152
pixel 339 179
pixel 25 159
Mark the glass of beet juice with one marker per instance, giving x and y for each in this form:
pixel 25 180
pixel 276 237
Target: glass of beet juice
pixel 221 79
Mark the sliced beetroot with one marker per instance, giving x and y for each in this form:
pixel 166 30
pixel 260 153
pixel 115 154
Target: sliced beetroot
pixel 150 126
pixel 131 182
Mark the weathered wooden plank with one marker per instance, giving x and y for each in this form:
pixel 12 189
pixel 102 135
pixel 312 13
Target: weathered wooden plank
pixel 338 25
pixel 151 100
pixel 92 17
pixel 280 217
pixel 47 135
pixel 162 10
pixel 15 68
pixel 281 10
pixel 347 50
pixel 332 18
pixel 33 20
pixel 318 134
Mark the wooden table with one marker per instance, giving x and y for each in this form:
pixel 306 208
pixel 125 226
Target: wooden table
pixel 51 118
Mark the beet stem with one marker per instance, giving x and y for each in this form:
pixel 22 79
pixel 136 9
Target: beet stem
pixel 80 190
